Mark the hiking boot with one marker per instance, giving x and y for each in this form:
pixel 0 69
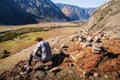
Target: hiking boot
pixel 26 70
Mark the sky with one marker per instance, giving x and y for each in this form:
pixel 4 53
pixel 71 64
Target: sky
pixel 82 3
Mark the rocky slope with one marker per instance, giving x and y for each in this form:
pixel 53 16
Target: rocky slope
pixel 76 12
pixel 75 62
pixel 106 18
pixel 29 11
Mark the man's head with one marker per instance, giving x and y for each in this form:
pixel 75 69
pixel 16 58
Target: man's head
pixel 39 39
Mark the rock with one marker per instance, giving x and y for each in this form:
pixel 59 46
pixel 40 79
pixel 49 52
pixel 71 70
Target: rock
pixel 64 46
pixel 42 66
pixel 80 55
pixel 75 37
pixel 106 76
pixel 96 75
pixel 86 44
pixel 54 69
pixel 70 72
pixel 26 69
pixel 89 39
pixel 95 51
pixel 86 73
pixel 40 75
pixel 96 47
pixel 80 39
pixel 70 64
pixel 97 39
pixel 37 66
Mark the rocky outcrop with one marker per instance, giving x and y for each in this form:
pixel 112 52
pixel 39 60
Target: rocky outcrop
pixel 106 18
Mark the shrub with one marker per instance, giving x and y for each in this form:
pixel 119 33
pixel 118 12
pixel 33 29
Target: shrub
pixel 5 54
pixel 9 36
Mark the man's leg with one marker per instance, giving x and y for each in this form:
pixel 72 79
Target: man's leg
pixel 30 59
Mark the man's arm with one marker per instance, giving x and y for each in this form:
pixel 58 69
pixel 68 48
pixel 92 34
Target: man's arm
pixel 37 50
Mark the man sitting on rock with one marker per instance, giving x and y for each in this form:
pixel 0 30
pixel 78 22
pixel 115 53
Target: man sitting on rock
pixel 42 52
pixel 97 46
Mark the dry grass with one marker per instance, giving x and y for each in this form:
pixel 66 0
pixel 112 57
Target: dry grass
pixel 44 24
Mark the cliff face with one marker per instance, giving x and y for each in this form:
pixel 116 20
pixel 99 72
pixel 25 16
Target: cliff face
pixel 75 12
pixel 106 18
pixel 29 11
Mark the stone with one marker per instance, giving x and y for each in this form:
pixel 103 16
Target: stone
pixel 106 76
pixel 89 39
pixel 80 39
pixel 40 75
pixel 70 64
pixel 97 39
pixel 38 65
pixel 96 47
pixel 26 69
pixel 80 55
pixel 64 46
pixel 85 73
pixel 54 69
pixel 96 75
pixel 86 44
pixel 95 51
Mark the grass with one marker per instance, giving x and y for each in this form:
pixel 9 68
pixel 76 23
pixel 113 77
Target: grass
pixel 44 24
pixel 28 39
pixel 18 44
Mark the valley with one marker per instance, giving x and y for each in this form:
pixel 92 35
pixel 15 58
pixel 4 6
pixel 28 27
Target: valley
pixel 82 48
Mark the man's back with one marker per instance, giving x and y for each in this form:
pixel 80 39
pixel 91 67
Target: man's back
pixel 45 50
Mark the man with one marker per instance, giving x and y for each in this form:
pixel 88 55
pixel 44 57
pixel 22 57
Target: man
pixel 42 52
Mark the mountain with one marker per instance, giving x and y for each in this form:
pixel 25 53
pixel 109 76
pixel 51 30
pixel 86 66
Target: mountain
pixel 29 11
pixel 90 10
pixel 10 13
pixel 106 18
pixel 76 12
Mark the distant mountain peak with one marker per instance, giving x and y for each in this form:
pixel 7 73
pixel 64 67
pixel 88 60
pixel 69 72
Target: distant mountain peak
pixel 75 12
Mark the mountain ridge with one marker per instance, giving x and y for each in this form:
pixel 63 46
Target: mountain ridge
pixel 29 12
pixel 75 12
